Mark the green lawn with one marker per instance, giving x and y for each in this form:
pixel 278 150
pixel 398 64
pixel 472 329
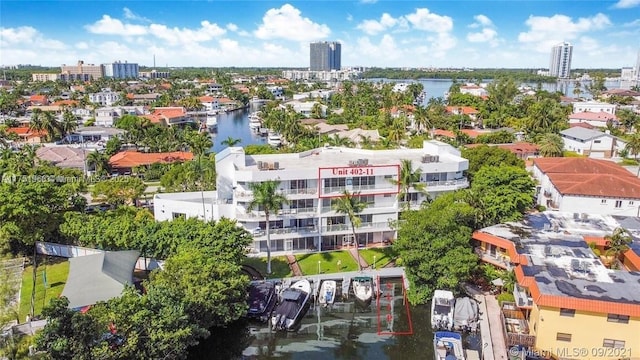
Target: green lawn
pixel 279 266
pixel 328 262
pixel 56 278
pixel 383 256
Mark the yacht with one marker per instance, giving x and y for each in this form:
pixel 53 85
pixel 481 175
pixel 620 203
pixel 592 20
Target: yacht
pixel 254 121
pixel 448 346
pixel 293 306
pixel 274 139
pixel 262 300
pixel 442 309
pixel 212 120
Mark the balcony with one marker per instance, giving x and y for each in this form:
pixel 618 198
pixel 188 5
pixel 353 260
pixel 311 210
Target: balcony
pixel 248 194
pixel 364 227
pixel 523 300
pixel 243 214
pixel 362 189
pixel 496 259
pixel 279 233
pixel 516 326
pixel 447 185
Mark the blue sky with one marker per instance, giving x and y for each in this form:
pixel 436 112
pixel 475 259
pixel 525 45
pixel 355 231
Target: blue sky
pixel 384 33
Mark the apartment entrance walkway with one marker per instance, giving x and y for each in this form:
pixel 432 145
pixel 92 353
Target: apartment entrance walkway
pixel 293 265
pixel 354 254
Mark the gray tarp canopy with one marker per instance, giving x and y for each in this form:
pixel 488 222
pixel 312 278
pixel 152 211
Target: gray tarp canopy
pixel 99 277
pixel 466 312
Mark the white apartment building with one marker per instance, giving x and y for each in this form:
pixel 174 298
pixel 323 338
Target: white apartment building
pixel 593 106
pixel 106 97
pixel 591 143
pixel 121 70
pixel 560 62
pixel 44 77
pixel 106 116
pixel 311 180
pixel 305 107
pixel 475 90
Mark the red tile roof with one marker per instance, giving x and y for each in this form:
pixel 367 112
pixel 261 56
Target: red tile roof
pixel 38 99
pixel 206 99
pixel 162 114
pixel 465 110
pixel 583 125
pixel 589 177
pixel 129 159
pixel 26 132
pixel 66 103
pixel 594 116
pixel 520 147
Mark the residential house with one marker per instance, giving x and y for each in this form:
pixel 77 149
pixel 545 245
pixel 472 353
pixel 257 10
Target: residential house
pixel 105 97
pixel 107 116
pixel 474 90
pixel 522 149
pixel 126 161
pixel 590 142
pixel 471 112
pixel 38 100
pixel 585 184
pixel 169 116
pixel 94 134
pixel 64 156
pixel 594 106
pixel 567 302
pixel 597 119
pixel 209 103
pixel 28 135
pixel 305 107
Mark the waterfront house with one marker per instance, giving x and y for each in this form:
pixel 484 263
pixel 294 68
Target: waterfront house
pixel 565 296
pixel 596 119
pixel 126 161
pixel 594 106
pixel 311 180
pixel 585 184
pixel 169 116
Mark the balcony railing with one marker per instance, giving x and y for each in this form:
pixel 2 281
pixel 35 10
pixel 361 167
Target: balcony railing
pixel 495 259
pixel 363 226
pixel 243 213
pixel 301 230
pixel 248 194
pixel 447 183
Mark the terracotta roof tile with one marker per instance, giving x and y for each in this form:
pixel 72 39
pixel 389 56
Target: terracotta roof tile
pixel 129 159
pixel 466 110
pixel 594 116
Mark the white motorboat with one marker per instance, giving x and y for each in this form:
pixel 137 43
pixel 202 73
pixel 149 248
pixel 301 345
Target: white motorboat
pixel 465 315
pixel 212 120
pixel 327 292
pixel 363 288
pixel 442 309
pixel 274 140
pixel 448 346
pixel 254 121
pixel 294 304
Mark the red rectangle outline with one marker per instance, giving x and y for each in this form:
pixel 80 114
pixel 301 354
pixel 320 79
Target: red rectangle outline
pixel 406 304
pixel 321 196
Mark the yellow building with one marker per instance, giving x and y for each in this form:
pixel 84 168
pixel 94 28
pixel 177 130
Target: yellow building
pixel 568 304
pixel 44 77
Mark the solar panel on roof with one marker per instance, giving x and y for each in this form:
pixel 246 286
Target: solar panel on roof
pixel 542 279
pixel 568 288
pixel 595 288
pixel 557 272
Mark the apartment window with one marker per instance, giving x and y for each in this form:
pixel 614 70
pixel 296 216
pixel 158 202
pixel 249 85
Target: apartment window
pixel 387 195
pixel 563 337
pixel 618 203
pixel 630 203
pixel 616 344
pixel 622 319
pixel 603 201
pixel 366 219
pixel 568 312
pixel 597 141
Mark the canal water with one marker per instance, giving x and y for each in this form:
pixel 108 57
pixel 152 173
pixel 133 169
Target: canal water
pixel 388 328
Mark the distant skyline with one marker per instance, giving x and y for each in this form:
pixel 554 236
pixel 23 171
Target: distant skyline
pixel 381 33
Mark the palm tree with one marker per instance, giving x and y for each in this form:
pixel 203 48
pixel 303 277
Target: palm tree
pixel 199 143
pixel 230 141
pixel 69 123
pixel 409 178
pixel 551 145
pixel 50 124
pixel 99 161
pixel 36 120
pixel 618 242
pixel 351 205
pixel 633 145
pixel 267 197
pixel 421 118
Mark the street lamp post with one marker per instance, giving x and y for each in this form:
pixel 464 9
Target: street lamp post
pixel 374 262
pixel 319 267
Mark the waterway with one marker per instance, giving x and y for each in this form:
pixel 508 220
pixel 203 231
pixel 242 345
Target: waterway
pixel 235 124
pixel 386 329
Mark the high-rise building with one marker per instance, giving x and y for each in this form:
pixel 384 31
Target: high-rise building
pixel 325 56
pixel 121 70
pixel 637 67
pixel 560 64
pixel 89 71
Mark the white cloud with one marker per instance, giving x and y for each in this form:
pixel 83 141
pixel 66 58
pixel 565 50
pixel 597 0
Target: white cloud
pixel 232 27
pixel 349 17
pixel 544 32
pixel 130 15
pixel 485 35
pixel 287 23
pixel 481 21
pixel 82 45
pixel 110 26
pixel 423 19
pixel 626 4
pixel 633 23
pixel 27 36
pixel 373 27
pixel 175 35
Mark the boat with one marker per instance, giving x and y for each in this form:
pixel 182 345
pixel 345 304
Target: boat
pixel 212 119
pixel 254 121
pixel 448 346
pixel 294 304
pixel 442 308
pixel 262 300
pixel 274 139
pixel 465 315
pixel 363 288
pixel 327 292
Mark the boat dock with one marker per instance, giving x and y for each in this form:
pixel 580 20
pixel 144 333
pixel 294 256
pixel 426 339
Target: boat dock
pixel 394 272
